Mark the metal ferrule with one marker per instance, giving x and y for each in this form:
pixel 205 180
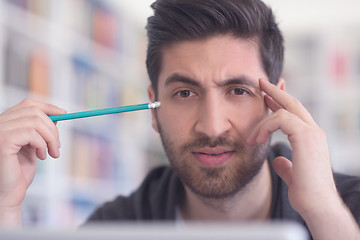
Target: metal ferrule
pixel 154 105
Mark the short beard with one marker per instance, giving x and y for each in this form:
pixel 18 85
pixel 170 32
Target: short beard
pixel 215 182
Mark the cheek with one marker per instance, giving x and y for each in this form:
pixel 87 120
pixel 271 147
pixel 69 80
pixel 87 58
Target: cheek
pixel 175 121
pixel 246 119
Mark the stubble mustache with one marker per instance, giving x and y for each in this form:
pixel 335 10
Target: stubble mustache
pixel 239 145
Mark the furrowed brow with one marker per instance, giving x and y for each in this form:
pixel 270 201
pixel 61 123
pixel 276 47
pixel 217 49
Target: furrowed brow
pixel 177 78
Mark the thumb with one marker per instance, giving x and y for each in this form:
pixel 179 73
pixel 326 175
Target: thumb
pixel 283 167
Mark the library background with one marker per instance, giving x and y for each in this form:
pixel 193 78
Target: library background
pixel 89 54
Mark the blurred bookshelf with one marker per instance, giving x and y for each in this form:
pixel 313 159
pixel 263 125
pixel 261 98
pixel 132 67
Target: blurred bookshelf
pixel 322 69
pixel 79 55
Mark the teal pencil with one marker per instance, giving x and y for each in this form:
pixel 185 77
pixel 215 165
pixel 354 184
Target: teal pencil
pixel 105 111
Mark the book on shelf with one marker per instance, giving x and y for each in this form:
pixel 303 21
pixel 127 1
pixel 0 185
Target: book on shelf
pixel 27 65
pixel 104 24
pixel 92 158
pixel 16 60
pixel 39 73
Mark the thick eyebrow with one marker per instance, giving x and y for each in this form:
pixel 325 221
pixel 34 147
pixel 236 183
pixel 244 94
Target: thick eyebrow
pixel 174 78
pixel 236 80
pixel 239 80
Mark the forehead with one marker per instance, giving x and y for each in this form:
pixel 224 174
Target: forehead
pixel 216 58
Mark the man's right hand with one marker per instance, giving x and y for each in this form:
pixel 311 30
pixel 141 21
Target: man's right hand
pixel 26 132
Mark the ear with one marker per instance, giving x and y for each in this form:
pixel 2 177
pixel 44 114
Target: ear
pixel 281 84
pixel 151 95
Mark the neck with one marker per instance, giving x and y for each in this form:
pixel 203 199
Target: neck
pixel 251 203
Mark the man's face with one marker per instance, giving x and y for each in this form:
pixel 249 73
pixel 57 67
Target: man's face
pixel 210 103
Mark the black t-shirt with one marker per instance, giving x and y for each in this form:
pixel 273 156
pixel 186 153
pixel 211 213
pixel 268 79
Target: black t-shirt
pixel 161 192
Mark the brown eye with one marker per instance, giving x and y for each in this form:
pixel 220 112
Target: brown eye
pixel 185 93
pixel 238 91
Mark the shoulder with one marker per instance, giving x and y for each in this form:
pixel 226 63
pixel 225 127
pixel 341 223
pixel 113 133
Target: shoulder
pixel 143 203
pixel 349 190
pixel 348 186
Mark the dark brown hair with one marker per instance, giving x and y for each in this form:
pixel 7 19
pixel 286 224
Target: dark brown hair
pixel 181 20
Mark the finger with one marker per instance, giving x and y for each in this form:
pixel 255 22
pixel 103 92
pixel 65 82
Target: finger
pixel 278 95
pixel 282 120
pixel 48 109
pixel 18 138
pixel 19 151
pixel 48 131
pixel 41 124
pixel 286 101
pixel 283 167
pixel 32 139
pixel 274 106
pixel 31 113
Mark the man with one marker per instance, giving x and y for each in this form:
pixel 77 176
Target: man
pixel 215 66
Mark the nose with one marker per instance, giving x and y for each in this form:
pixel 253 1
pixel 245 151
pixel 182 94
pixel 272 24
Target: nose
pixel 213 119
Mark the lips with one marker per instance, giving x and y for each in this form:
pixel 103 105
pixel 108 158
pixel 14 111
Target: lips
pixel 212 157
